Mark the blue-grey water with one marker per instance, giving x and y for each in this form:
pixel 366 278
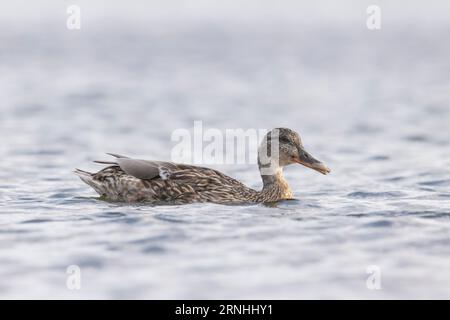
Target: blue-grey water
pixel 373 105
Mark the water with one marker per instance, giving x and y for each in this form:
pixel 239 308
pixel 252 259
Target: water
pixel 373 106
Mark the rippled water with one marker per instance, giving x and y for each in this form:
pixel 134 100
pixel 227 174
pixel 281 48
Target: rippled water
pixel 374 106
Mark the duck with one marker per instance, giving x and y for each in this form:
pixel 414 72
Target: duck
pixel 159 182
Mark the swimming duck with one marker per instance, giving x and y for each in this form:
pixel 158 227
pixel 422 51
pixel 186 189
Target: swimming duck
pixel 158 182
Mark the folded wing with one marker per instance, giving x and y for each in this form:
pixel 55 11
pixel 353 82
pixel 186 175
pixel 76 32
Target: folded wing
pixel 142 169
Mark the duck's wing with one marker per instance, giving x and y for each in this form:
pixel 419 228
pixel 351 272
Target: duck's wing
pixel 142 169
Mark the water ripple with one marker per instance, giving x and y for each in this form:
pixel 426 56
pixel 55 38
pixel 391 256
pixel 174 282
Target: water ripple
pixel 369 195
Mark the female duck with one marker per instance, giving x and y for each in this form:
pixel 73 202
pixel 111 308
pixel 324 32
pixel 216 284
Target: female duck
pixel 158 182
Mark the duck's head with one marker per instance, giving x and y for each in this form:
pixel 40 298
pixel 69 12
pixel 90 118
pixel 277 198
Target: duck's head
pixel 282 147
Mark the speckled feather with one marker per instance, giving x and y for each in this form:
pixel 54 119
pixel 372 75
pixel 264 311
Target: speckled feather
pixel 185 184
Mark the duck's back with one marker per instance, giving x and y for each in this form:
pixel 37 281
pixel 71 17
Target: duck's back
pixel 133 180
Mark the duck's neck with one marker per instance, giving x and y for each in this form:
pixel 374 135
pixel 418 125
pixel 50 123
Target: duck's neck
pixel 275 187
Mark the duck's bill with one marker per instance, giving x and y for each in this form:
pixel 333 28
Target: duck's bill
pixel 309 161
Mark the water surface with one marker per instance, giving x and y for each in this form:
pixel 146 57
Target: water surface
pixel 373 106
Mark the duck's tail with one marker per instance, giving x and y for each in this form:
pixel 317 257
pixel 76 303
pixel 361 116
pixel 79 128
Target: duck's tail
pixel 88 178
pixel 83 174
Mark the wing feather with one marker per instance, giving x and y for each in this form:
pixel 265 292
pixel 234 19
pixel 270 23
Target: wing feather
pixel 148 169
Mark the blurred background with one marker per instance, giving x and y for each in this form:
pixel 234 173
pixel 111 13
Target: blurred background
pixel 373 104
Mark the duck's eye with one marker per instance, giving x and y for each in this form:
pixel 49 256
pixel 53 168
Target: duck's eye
pixel 283 140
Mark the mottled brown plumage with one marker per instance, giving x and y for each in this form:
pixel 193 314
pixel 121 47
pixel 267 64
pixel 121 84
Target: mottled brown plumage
pixel 157 182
